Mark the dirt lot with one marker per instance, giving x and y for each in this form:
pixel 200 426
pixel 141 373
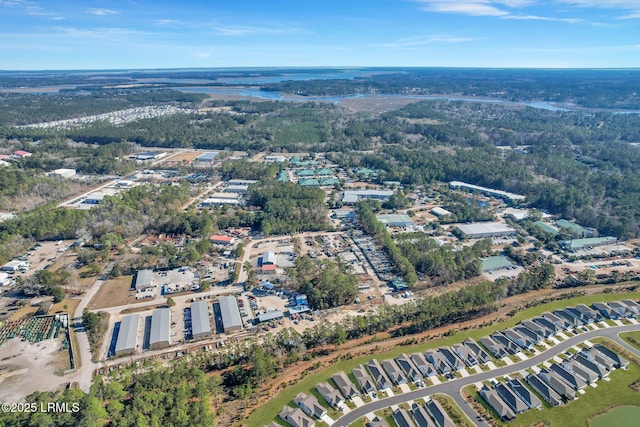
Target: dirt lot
pixel 187 156
pixel 38 363
pixel 114 292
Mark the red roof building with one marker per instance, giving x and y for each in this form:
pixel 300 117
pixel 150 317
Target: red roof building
pixel 269 269
pixel 221 240
pixel 22 154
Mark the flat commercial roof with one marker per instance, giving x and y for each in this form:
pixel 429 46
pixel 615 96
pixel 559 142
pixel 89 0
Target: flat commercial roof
pixel 207 157
pixel 230 313
pixel 395 220
pixel 485 228
pixel 128 334
pixel 270 315
pixel 500 193
pixel 268 258
pixel 495 263
pixel 590 241
pixel 200 324
pixel 144 279
pixel 160 320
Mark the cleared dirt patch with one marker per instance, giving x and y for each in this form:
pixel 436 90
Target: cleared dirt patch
pixel 38 367
pixel 113 293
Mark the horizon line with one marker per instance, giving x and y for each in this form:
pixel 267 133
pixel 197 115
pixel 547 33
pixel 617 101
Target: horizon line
pixel 307 67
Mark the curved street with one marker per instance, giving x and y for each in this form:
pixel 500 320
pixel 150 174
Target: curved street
pixel 453 387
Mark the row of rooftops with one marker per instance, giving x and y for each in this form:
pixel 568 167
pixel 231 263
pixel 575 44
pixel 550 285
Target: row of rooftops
pixel 509 398
pixel 531 332
pixel 556 384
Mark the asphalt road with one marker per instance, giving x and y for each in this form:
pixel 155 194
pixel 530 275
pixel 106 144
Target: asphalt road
pixel 454 387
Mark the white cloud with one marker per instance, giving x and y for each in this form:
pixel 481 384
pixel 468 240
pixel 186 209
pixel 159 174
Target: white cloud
pixel 248 30
pixel 166 22
pixel 427 40
pixel 12 3
pixel 102 12
pixel 544 18
pixel 465 7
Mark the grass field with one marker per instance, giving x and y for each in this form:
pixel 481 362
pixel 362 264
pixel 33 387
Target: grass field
pixel 626 415
pixel 632 338
pixel 269 411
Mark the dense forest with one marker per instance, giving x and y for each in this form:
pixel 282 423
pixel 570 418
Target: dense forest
pixel 288 208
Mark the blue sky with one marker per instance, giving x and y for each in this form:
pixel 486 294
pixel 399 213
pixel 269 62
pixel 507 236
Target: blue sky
pixel 125 34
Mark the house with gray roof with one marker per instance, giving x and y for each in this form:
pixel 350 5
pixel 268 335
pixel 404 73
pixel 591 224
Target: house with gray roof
pixel 330 394
pixel 402 419
pixel 622 309
pixel 561 387
pixel 495 348
pixel 393 372
pixel 633 306
pixel 580 371
pixel 296 417
pixel 452 359
pixel 438 414
pixel 521 340
pixel 465 354
pixel 597 357
pixel 507 343
pixel 530 399
pixel 421 416
pixel 378 375
pixel 568 377
pixel 546 323
pixel 591 365
pixel 493 399
pixel 542 332
pixel 590 313
pixel 409 369
pixel 438 361
pixel 424 366
pixel 607 311
pixel 619 361
pixel 560 322
pixel 528 333
pixel 310 405
pixel 510 398
pixel 344 384
pixel 481 355
pixel 572 320
pixel 582 317
pixel 366 383
pixel 543 389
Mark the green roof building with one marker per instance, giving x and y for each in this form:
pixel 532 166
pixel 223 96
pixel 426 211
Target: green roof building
pixel 310 182
pixel 494 263
pixel 305 172
pixel 577 244
pixel 546 227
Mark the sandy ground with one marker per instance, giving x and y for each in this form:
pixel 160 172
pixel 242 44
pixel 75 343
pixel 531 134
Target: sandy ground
pixel 40 362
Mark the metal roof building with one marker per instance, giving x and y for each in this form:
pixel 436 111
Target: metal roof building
pixel 488 191
pixel 231 320
pixel 208 157
pixel 160 322
pixel 127 335
pixel 269 258
pixel 144 279
pixel 395 220
pixel 479 230
pixel 200 325
pixel 494 263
